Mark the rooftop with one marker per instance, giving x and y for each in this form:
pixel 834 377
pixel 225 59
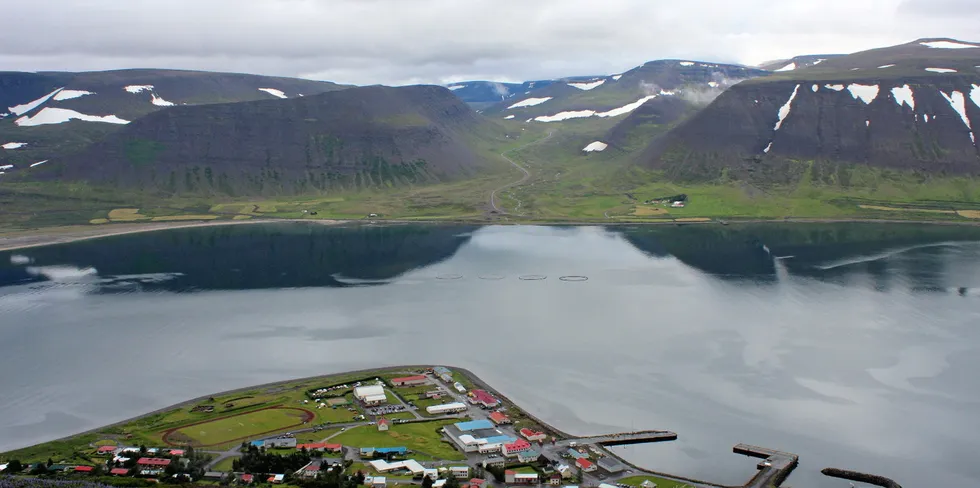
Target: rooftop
pixel 474 425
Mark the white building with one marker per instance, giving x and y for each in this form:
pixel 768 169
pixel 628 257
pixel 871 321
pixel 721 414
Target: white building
pixel 461 472
pixel 410 465
pixel 371 395
pixel 446 408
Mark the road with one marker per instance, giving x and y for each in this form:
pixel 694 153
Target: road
pixel 527 174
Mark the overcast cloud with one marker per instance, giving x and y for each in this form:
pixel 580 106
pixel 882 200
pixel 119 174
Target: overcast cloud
pixel 442 41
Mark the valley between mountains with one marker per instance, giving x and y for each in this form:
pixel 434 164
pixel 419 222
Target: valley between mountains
pixel 886 134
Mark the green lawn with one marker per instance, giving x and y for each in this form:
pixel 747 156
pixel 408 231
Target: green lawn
pixel 661 483
pixel 421 437
pixel 228 429
pixel 224 465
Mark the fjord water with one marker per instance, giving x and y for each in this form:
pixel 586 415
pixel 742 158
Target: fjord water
pixel 853 345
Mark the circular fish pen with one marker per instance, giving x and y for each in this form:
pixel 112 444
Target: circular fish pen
pixel 532 277
pixel 574 278
pixel 492 277
pixel 449 277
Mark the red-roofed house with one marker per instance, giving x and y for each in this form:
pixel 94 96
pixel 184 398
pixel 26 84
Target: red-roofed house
pixel 84 469
pixel 153 462
pixel 320 446
pixel 106 449
pixel 533 435
pixel 383 424
pixel 119 471
pixel 478 483
pixel 176 452
pixel 481 397
pixel 511 449
pixel 585 464
pixel 499 418
pixel 409 380
pixel 246 478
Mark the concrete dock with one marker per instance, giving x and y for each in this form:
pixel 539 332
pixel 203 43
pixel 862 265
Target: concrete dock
pixel 773 469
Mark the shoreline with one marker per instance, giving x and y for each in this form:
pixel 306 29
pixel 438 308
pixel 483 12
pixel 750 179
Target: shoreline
pixel 47 236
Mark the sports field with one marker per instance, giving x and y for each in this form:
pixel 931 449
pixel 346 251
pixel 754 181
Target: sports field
pixel 238 427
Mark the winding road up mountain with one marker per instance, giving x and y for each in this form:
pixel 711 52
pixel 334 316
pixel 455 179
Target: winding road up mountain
pixel 527 174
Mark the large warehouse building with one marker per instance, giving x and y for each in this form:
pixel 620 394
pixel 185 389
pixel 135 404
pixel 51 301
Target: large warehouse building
pixel 446 408
pixel 371 395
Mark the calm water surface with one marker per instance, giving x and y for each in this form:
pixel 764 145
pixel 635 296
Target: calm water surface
pixel 855 346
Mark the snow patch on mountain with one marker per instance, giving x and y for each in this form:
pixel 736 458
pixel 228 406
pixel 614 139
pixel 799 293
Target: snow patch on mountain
pixel 596 146
pixel 50 115
pixel 587 86
pixel 39 163
pixel 455 87
pixel 834 87
pixel 713 84
pixel 69 94
pixel 667 93
pixel 975 95
pixel 958 102
pixel 686 63
pixel 159 101
pixel 508 117
pixel 27 107
pixel 885 66
pixel 14 145
pixel 784 110
pixel 529 102
pixel 616 77
pixel 6 167
pixel 818 61
pixel 788 67
pixel 138 88
pixel 768 147
pixel 947 45
pixel 867 93
pixel 941 70
pixel 274 92
pixel 579 114
pixel 904 95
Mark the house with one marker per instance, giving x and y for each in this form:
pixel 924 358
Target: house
pixel 153 462
pixel 280 442
pixel 214 475
pixel 446 408
pixel 575 453
pixel 409 380
pixel 106 449
pixel 555 480
pixel 565 471
pixel 320 446
pixel 611 465
pixel 433 394
pixel 515 478
pixel 276 479
pixel 84 469
pixel 528 456
pixel 176 452
pixel 499 418
pixel 512 448
pixel 383 424
pixel 533 435
pixel 432 473
pixel 119 471
pixel 481 397
pixel 371 395
pixel 246 478
pixel 494 462
pixel 677 204
pixel 479 483
pixel 585 464
pixel 311 470
pixel 460 472
pixel 459 387
pixel 377 482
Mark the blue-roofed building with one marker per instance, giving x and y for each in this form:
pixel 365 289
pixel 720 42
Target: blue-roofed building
pixel 474 425
pixel 441 370
pixel 500 439
pixel 258 443
pixel 387 450
pixel 575 454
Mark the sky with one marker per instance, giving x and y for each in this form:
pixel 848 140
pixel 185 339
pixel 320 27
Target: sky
pixel 399 42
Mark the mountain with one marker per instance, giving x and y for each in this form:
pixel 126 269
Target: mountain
pixel 908 107
pixel 482 94
pixel 359 137
pixel 49 114
pixel 797 62
pixel 606 97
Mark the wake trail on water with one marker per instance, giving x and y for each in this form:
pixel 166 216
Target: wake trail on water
pixel 886 254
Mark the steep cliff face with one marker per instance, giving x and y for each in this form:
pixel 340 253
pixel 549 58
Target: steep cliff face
pixel 373 136
pixel 903 115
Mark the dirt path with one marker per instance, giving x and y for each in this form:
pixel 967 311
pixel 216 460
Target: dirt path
pixel 527 174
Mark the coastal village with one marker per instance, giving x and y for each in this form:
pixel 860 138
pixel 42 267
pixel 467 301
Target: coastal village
pixel 430 427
